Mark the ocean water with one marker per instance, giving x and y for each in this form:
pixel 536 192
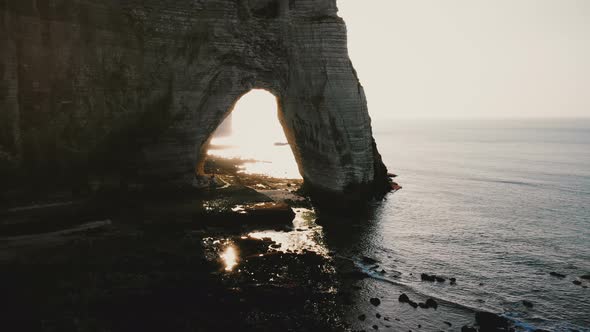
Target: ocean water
pixel 497 204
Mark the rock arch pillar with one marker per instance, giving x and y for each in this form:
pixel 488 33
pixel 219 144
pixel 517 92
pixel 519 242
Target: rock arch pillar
pixel 134 89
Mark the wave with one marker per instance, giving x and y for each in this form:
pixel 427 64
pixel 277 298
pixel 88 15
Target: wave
pixel 366 269
pixel 511 316
pixel 518 183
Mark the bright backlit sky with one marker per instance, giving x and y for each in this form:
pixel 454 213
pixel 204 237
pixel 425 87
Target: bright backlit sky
pixel 255 130
pixel 471 58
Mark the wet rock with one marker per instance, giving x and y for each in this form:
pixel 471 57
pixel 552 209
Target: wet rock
pixel 375 327
pixel 453 281
pixel 527 304
pixel 431 303
pixel 404 298
pixel 557 275
pixel 368 260
pixel 378 315
pixel 362 317
pixel 427 277
pixel 466 328
pixel 431 278
pixel 355 275
pixel 269 213
pixel 349 270
pixel 585 277
pixel 488 321
pixel 375 301
pixel 577 282
pixel 250 246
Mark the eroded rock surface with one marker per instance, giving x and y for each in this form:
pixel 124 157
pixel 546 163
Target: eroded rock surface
pixel 133 89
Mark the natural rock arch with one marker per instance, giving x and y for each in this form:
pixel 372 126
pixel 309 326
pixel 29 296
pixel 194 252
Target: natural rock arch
pixel 137 87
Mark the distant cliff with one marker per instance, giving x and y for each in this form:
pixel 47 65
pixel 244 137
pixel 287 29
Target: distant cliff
pixel 134 89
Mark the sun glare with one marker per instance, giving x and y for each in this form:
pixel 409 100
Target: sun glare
pixel 230 258
pixel 253 132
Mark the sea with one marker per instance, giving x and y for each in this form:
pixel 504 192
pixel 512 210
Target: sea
pixel 497 204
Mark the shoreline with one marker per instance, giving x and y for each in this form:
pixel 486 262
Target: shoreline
pixel 289 270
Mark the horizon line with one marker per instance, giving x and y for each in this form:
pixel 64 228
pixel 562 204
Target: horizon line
pixel 482 117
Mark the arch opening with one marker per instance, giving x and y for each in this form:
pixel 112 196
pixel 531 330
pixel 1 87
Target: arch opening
pixel 253 137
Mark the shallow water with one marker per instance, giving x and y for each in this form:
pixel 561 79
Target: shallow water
pixel 498 203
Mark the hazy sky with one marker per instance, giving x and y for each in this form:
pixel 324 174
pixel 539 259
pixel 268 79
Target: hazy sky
pixel 475 58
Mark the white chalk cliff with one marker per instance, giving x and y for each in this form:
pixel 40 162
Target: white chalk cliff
pixel 137 87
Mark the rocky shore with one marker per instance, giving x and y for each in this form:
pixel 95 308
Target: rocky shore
pixel 247 253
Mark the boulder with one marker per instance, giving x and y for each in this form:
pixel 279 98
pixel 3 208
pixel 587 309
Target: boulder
pixel 404 298
pixel 431 303
pixel 488 321
pixel 427 277
pixel 368 260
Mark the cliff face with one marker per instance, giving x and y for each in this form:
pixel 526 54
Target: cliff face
pixel 135 88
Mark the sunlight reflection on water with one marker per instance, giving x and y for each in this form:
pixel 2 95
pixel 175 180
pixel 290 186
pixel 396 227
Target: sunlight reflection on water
pixel 257 135
pixel 306 235
pixel 230 258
